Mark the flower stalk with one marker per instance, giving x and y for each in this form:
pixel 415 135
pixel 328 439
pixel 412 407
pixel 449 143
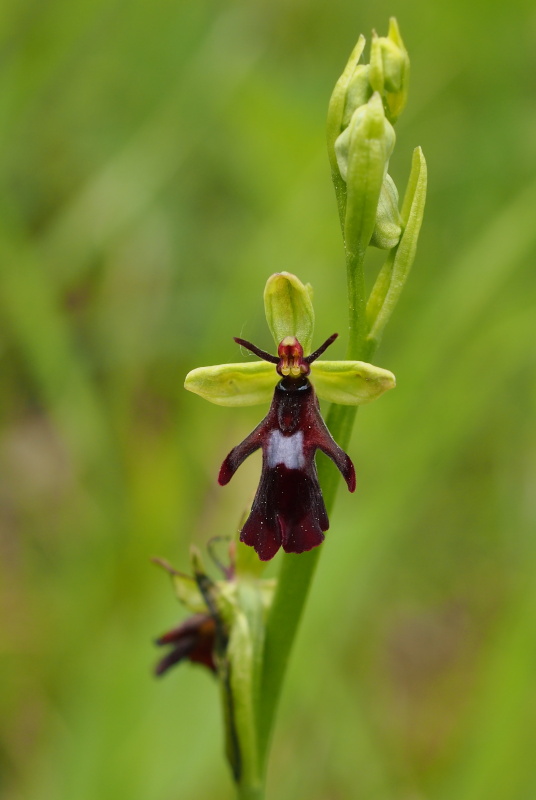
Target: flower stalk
pixel 359 170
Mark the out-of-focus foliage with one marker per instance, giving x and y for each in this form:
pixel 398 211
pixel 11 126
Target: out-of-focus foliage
pixel 158 161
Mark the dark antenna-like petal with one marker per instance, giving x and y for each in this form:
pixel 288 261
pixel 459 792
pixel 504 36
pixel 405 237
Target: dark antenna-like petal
pixel 257 351
pixel 321 349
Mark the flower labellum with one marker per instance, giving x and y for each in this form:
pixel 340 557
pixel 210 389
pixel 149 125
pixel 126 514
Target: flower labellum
pixel 288 509
pixel 193 641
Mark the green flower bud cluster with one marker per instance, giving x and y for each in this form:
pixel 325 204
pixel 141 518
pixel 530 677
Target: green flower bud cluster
pixel 365 104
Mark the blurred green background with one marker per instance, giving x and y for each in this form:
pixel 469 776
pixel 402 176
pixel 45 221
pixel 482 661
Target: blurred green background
pixel 158 161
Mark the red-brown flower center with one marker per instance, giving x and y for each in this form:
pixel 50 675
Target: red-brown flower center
pixel 291 360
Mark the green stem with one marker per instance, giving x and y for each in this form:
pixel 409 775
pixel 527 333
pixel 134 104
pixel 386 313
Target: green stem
pixel 357 306
pixel 297 571
pixel 249 792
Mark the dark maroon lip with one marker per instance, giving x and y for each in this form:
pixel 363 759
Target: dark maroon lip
pixel 193 641
pixel 293 385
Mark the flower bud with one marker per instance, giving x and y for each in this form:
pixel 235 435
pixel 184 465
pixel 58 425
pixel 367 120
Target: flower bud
pixel 362 152
pixel 368 124
pixel 389 69
pixel 388 221
pixel 358 92
pixel 289 309
pixel 339 106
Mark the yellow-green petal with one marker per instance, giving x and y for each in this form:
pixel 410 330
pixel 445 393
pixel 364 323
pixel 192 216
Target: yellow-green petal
pixel 350 383
pixel 248 384
pixel 289 309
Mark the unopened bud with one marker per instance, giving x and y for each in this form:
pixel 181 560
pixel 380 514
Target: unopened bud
pixel 388 221
pixel 363 152
pixel 368 125
pixel 358 92
pixel 389 69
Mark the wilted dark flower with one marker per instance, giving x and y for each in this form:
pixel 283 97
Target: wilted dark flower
pixel 193 640
pixel 288 509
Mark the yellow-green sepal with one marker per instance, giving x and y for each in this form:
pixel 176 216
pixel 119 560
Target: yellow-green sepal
pixel 289 309
pixel 248 384
pixel 350 383
pixel 187 592
pixel 186 588
pixel 219 596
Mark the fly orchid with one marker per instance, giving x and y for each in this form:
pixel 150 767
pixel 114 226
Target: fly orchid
pixel 288 509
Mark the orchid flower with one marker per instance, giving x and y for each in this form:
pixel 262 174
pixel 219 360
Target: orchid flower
pixel 288 509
